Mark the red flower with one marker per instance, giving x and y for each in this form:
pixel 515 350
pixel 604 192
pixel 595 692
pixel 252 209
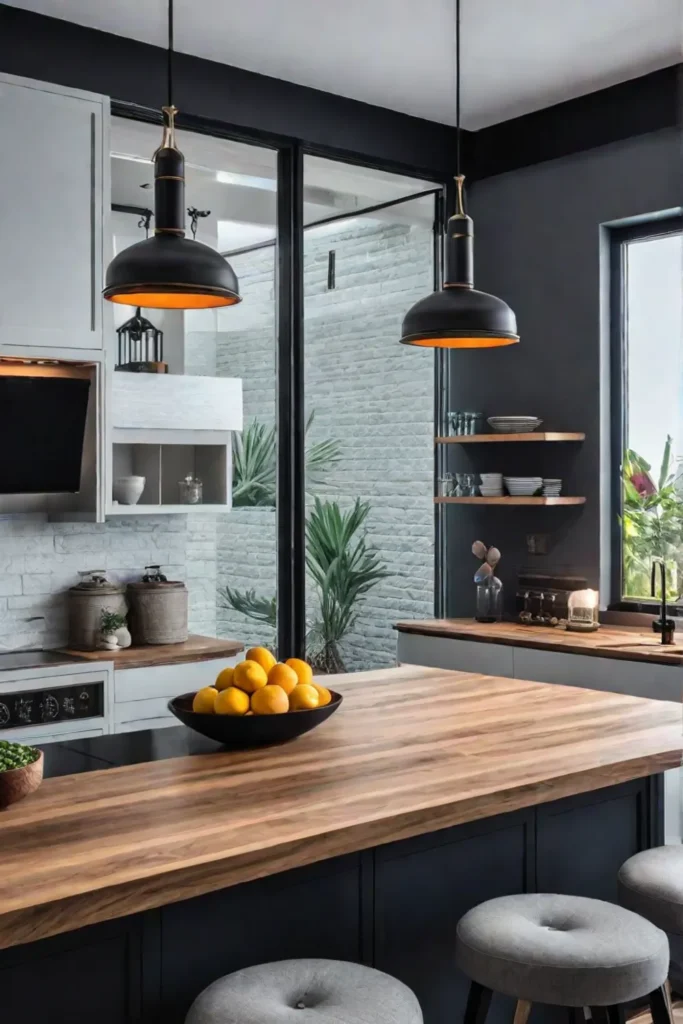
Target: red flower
pixel 643 484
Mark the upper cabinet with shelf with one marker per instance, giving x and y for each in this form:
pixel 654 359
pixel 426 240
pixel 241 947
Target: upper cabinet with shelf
pixel 54 170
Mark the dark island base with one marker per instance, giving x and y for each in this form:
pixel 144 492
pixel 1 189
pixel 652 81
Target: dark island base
pixel 394 907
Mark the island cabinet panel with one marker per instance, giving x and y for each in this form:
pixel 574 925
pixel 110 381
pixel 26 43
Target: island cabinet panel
pixel 90 976
pixel 422 888
pixel 309 912
pixel 604 829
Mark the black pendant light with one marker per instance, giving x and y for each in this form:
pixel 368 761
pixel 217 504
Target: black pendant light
pixel 169 271
pixel 459 316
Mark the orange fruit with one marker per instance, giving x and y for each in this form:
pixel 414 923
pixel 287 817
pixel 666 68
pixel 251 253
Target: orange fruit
pixel 303 670
pixel 303 696
pixel 270 700
pixel 284 676
pixel 224 678
pixel 323 693
pixel 249 676
pixel 232 702
pixel 262 656
pixel 204 700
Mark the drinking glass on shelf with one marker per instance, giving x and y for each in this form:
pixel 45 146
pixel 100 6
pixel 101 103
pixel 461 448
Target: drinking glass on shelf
pixel 460 485
pixel 470 485
pixel 445 483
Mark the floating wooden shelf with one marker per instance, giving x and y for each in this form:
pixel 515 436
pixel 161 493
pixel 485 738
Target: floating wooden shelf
pixel 531 500
pixel 497 438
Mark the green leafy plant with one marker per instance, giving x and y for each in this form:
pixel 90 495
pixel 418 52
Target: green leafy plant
pixel 254 461
pixel 341 565
pixel 261 609
pixel 110 622
pixel 652 522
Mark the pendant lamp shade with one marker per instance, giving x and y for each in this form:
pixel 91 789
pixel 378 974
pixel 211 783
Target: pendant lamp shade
pixel 459 316
pixel 169 271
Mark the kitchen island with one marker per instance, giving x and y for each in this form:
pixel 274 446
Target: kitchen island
pixel 159 862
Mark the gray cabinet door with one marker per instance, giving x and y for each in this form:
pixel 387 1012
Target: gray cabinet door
pixel 53 177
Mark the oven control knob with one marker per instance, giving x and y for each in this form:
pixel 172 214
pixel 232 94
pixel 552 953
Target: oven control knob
pixel 50 707
pixel 4 714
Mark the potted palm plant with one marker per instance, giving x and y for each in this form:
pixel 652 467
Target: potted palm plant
pixel 341 565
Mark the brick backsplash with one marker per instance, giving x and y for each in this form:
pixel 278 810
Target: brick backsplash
pixel 39 561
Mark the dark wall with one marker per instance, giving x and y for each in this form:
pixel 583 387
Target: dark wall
pixel 538 246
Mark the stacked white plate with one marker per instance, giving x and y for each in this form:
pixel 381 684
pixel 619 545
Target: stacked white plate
pixel 523 486
pixel 513 424
pixel 491 485
pixel 551 488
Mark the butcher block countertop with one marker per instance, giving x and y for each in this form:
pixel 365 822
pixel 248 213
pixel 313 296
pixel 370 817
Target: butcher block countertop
pixel 410 751
pixel 195 648
pixel 622 643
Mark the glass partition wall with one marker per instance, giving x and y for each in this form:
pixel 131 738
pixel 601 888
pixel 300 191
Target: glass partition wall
pixel 342 412
pixel 369 401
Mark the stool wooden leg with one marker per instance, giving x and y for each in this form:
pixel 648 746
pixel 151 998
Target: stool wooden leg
pixel 660 1007
pixel 522 1011
pixel 615 1014
pixel 478 1002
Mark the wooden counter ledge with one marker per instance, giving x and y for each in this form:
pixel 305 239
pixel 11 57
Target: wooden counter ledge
pixel 625 644
pixel 195 648
pixel 410 751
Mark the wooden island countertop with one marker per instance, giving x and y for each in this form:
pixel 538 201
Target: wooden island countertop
pixel 621 643
pixel 410 751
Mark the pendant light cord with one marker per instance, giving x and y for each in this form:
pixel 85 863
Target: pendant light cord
pixel 457 87
pixel 169 66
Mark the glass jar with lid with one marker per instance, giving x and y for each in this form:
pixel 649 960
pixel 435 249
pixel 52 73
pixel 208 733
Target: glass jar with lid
pixel 190 489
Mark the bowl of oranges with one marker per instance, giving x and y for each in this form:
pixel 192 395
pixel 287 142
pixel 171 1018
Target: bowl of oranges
pixel 258 702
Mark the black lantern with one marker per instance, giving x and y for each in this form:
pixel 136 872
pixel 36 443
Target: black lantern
pixel 140 346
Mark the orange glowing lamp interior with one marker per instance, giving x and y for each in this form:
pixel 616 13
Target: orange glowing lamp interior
pixel 173 300
pixel 463 342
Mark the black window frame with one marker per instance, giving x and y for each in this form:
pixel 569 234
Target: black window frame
pixel 619 238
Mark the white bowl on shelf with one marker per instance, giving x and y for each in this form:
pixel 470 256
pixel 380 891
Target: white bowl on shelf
pixel 514 424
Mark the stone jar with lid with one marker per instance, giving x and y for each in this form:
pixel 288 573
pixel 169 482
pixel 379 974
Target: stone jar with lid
pixel 87 600
pixel 158 610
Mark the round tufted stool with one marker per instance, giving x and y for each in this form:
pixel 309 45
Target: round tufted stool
pixel 330 991
pixel 651 884
pixel 564 950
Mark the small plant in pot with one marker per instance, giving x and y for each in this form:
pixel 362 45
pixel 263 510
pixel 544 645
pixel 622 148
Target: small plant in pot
pixel 113 631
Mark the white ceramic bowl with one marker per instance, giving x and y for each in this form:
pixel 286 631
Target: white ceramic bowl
pixel 491 477
pixel 127 490
pixel 513 424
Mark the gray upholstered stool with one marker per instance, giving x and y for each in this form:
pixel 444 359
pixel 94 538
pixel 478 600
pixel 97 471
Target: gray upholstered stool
pixel 564 950
pixel 331 991
pixel 651 883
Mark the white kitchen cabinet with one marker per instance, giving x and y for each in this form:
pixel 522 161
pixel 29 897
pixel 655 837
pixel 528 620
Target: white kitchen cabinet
pixel 463 655
pixel 54 209
pixel 141 695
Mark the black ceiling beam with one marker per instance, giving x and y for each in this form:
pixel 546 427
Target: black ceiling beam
pixel 54 50
pixel 642 105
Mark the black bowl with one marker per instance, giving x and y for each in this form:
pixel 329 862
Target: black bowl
pixel 253 730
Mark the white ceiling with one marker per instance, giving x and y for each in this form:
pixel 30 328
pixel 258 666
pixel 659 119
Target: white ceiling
pixel 518 55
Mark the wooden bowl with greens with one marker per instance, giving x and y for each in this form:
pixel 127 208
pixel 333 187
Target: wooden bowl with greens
pixel 21 771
